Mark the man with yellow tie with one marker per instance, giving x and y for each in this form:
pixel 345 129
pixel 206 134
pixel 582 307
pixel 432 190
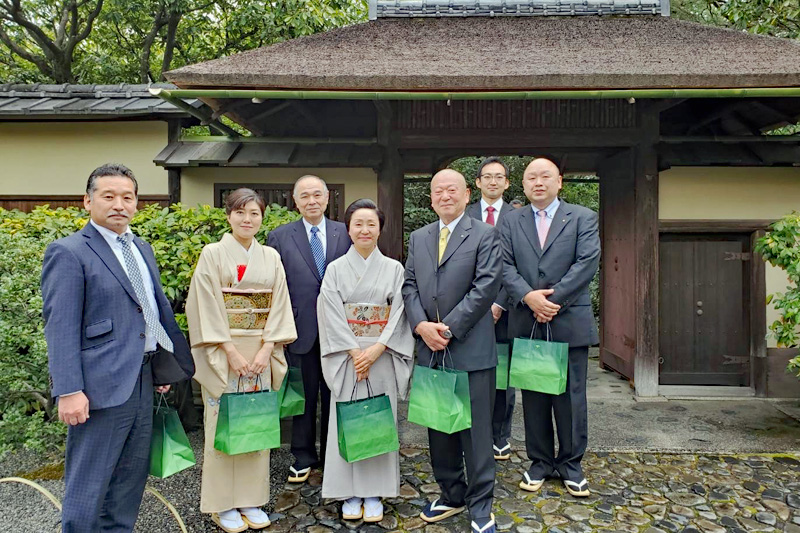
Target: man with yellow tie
pixel 452 278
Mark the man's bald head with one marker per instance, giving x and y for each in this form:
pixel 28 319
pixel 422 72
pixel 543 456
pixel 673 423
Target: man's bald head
pixel 449 194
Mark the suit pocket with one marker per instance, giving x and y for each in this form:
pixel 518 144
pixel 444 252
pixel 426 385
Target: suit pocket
pixel 98 333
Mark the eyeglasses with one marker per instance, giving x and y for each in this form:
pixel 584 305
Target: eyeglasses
pixel 492 177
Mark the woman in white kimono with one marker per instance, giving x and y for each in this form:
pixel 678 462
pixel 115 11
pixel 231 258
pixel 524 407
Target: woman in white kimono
pixel 363 334
pixel 240 317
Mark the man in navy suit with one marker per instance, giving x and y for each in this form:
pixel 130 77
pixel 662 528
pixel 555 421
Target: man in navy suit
pixel 111 336
pixel 551 251
pixel 307 246
pixel 492 181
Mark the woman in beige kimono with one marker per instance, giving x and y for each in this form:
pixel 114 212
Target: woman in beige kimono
pixel 363 334
pixel 240 317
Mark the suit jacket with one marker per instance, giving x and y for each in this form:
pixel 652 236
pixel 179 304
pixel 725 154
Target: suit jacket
pixel 94 324
pixel 291 241
pixel 501 327
pixel 458 292
pixel 567 265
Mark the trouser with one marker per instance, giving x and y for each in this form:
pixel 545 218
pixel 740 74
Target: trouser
pixel 502 415
pixel 471 448
pixel 107 463
pixel 569 410
pixel 304 427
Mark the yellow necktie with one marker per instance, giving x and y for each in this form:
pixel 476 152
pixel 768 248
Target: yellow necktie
pixel 443 241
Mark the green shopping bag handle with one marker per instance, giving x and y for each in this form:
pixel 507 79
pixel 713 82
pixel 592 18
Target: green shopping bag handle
pixel 258 384
pixel 445 353
pixel 355 388
pixel 548 333
pixel 162 398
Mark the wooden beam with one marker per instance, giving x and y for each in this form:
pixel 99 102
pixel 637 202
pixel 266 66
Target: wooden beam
pixel 758 319
pixel 174 130
pixel 646 256
pixel 390 185
pixel 481 141
pixel 712 225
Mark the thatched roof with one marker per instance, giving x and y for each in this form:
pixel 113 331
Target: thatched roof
pixel 509 53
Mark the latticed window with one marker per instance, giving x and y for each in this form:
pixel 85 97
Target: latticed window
pixel 281 194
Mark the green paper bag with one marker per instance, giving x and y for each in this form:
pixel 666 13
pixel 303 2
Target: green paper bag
pixel 366 428
pixel 248 422
pixel 170 451
pixel 502 366
pixel 439 399
pixel 539 365
pixel 291 394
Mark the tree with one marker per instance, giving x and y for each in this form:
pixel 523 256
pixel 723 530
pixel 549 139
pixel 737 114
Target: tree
pixel 779 18
pixel 47 34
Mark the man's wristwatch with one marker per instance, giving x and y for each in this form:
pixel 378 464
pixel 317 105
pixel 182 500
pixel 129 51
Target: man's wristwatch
pixel 447 334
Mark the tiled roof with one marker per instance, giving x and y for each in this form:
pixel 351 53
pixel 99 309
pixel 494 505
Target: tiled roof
pixel 514 8
pixel 66 100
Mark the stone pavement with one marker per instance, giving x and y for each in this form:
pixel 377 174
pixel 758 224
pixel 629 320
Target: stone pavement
pixel 631 492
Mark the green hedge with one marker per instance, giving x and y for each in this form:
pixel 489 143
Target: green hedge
pixel 177 236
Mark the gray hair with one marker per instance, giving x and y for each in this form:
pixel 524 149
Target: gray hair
pixel 110 170
pixel 307 176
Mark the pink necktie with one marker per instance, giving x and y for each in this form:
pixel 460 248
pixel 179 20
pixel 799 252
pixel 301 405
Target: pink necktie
pixel 490 215
pixel 543 226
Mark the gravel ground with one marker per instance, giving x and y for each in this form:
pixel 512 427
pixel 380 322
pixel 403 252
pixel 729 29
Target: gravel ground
pixel 24 510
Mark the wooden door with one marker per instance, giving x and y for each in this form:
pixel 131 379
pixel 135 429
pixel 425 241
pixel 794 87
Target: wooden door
pixel 704 310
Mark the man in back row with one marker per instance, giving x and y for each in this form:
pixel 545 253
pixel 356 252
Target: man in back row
pixel 492 181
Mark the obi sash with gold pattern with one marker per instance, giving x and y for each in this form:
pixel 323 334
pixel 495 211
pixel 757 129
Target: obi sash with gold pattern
pixel 367 320
pixel 247 308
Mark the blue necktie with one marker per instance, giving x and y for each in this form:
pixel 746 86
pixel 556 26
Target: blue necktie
pixel 317 251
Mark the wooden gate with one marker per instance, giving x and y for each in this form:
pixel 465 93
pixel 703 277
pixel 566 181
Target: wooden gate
pixel 704 309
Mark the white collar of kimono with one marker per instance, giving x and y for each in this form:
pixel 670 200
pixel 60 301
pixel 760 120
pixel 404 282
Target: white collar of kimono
pixel 320 226
pixel 232 244
pixel 355 255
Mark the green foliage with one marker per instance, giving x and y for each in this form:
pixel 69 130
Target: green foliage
pixel 780 247
pixel 177 235
pixel 139 41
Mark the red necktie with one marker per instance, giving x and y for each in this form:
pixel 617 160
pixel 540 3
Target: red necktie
pixel 490 215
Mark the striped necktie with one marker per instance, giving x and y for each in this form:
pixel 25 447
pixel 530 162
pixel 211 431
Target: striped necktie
pixel 151 320
pixel 317 251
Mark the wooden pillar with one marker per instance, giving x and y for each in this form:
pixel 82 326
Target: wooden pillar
pixel 645 181
pixel 758 319
pixel 390 183
pixel 174 174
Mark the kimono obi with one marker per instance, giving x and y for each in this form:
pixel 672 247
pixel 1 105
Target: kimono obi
pixel 247 308
pixel 367 320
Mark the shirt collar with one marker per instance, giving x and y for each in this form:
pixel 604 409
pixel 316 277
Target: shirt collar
pixel 451 226
pixel 320 226
pixel 498 205
pixel 107 234
pixel 550 210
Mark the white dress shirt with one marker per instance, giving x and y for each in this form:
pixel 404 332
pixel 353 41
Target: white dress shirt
pixel 150 343
pixel 451 226
pixel 320 234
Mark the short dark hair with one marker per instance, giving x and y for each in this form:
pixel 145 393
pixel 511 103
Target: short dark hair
pixel 110 170
pixel 241 197
pixel 363 203
pixel 489 161
pixel 516 201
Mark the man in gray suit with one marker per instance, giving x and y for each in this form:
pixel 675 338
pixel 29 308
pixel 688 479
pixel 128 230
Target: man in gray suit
pixel 492 181
pixel 452 278
pixel 111 336
pixel 550 255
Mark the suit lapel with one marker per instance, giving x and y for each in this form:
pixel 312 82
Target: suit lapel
pixel 474 210
pixel 528 224
pixel 460 234
pixel 99 246
pixel 560 219
pixel 432 244
pixel 331 239
pixel 304 247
